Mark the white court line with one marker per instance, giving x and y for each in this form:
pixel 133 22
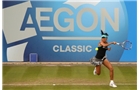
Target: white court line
pixel 63 63
pixel 86 84
pixel 70 38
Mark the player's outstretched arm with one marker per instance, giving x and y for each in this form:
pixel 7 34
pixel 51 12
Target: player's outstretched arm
pixel 107 44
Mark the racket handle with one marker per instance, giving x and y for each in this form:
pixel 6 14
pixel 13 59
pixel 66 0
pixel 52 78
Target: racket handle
pixel 118 43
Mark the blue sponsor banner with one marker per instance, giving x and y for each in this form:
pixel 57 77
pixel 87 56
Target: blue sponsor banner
pixel 67 30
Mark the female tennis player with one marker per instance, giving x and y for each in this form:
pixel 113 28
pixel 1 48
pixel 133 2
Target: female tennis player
pixel 100 58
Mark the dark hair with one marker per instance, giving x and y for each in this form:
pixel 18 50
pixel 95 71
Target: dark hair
pixel 102 33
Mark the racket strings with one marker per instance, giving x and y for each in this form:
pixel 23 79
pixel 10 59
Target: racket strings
pixel 127 45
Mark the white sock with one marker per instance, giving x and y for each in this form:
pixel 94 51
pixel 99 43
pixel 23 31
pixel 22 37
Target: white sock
pixel 111 81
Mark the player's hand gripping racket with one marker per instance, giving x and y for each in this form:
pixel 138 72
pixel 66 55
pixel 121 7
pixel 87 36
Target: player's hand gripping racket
pixel 127 45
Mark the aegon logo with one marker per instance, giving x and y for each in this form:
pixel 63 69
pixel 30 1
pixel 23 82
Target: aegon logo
pixel 104 15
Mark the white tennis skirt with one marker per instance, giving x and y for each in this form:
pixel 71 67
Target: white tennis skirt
pixel 95 61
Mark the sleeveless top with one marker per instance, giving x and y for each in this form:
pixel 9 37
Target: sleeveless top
pixel 101 52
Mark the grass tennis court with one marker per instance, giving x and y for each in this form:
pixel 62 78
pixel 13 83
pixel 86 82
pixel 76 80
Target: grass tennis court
pixel 71 77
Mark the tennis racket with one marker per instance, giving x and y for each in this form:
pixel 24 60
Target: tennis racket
pixel 127 45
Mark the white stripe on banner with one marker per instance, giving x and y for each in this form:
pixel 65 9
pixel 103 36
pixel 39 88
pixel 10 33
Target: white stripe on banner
pixel 71 38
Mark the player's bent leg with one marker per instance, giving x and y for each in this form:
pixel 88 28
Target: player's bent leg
pixel 109 66
pixel 97 70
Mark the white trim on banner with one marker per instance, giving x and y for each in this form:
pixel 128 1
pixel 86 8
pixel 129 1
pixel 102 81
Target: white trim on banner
pixel 71 38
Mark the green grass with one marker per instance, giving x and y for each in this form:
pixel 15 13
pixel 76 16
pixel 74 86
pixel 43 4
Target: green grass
pixel 69 87
pixel 66 78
